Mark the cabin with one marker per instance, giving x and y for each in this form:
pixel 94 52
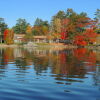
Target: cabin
pixel 40 39
pixel 19 38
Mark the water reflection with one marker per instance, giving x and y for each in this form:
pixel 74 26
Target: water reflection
pixel 73 63
pixel 64 67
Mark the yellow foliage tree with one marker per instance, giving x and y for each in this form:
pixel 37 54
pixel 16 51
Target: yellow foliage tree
pixel 29 35
pixel 45 30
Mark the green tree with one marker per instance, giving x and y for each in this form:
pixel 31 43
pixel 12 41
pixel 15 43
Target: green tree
pixel 70 13
pixel 97 18
pixel 40 27
pixel 38 22
pixel 60 15
pixel 3 26
pixel 21 26
pixel 97 14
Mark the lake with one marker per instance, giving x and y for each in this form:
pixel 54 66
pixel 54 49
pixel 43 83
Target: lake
pixel 49 74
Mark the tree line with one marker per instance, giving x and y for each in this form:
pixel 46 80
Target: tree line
pixel 65 26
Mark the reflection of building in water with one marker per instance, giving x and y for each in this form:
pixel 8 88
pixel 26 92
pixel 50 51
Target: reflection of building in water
pixel 18 53
pixel 40 53
pixel 97 76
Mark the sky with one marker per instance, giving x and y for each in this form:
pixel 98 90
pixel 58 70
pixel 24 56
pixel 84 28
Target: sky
pixel 11 10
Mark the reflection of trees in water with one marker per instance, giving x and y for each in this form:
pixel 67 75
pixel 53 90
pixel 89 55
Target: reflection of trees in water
pixel 66 64
pixel 61 63
pixel 3 63
pixel 88 57
pixel 21 68
pixel 21 63
pixel 96 76
pixel 40 64
pixel 67 67
pixel 9 55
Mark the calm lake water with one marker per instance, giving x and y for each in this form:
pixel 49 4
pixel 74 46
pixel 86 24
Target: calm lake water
pixel 54 74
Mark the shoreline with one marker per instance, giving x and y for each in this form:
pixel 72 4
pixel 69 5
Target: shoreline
pixel 49 46
pixel 5 45
pixel 39 46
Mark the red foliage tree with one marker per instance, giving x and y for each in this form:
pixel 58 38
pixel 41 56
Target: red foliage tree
pixel 83 22
pixel 6 33
pixel 63 35
pixel 64 24
pixel 80 40
pixel 90 35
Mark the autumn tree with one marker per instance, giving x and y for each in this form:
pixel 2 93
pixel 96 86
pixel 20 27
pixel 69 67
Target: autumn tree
pixel 80 40
pixel 55 27
pixel 45 29
pixel 36 30
pixel 77 23
pixel 40 27
pixel 9 36
pixel 90 36
pixel 29 35
pixel 5 34
pixel 69 24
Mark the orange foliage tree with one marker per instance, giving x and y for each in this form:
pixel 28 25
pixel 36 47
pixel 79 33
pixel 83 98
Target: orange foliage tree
pixel 9 36
pixel 90 35
pixel 29 35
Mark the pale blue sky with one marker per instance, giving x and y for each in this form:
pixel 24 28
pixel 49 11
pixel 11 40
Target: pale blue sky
pixel 11 10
